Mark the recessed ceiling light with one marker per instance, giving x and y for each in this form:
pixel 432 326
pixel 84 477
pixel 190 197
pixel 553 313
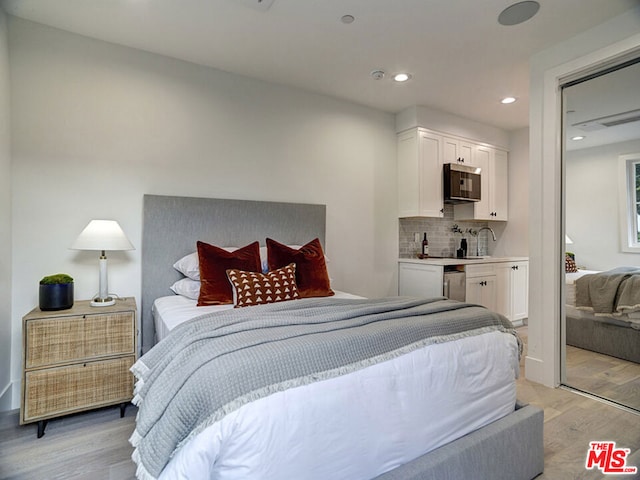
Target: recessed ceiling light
pixel 578 137
pixel 507 100
pixel 518 13
pixel 401 77
pixel 347 19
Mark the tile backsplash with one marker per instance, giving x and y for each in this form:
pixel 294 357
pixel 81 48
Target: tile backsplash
pixel 443 242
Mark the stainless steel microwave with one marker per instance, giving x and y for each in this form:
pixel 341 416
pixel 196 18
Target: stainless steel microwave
pixel 461 183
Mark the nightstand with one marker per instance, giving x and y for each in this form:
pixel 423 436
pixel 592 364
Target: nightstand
pixel 77 359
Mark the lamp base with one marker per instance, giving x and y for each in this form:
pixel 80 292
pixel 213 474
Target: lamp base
pixel 103 302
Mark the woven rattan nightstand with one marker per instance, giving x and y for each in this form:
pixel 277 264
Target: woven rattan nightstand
pixel 76 360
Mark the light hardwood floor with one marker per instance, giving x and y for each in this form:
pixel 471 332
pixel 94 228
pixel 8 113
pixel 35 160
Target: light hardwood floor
pixel 94 445
pixel 605 376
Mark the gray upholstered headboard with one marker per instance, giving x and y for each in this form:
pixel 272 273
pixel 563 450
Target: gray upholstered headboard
pixel 173 225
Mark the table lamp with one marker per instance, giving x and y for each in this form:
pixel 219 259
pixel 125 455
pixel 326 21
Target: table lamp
pixel 102 235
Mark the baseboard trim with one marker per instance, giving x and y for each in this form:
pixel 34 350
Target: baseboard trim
pixel 6 398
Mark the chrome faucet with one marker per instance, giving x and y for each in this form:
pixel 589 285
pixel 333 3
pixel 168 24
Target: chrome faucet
pixel 493 234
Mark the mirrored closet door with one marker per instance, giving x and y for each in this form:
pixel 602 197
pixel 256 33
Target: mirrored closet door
pixel 601 164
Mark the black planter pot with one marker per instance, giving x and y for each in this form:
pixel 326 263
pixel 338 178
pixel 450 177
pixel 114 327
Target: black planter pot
pixel 57 296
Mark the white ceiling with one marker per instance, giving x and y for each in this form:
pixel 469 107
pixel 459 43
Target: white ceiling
pixel 462 61
pixel 591 105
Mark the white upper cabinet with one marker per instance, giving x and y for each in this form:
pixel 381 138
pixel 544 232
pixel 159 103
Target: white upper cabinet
pixel 494 189
pixel 457 151
pixel 420 174
pixel 421 154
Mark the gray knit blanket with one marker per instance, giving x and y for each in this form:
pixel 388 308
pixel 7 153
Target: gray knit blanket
pixel 614 292
pixel 214 364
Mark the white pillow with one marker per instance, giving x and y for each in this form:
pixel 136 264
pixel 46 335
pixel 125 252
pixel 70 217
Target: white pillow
pixel 189 266
pixel 187 287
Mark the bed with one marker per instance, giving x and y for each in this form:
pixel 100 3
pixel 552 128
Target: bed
pixel 616 335
pixel 307 422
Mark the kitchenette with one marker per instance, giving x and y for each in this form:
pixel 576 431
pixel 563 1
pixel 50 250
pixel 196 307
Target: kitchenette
pixel 454 191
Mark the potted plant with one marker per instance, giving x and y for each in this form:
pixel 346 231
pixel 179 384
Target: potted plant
pixel 56 292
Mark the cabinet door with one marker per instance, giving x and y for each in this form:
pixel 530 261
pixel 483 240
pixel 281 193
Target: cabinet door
pixel 420 174
pixel 416 280
pixel 482 209
pixel 449 150
pixel 431 201
pixel 500 186
pixel 466 153
pixel 520 290
pixel 504 289
pixel 482 291
pixel 512 289
pixel 408 175
pixel 457 151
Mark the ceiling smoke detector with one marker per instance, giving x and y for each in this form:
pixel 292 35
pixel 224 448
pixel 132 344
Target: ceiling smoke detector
pixel 377 74
pixel 261 5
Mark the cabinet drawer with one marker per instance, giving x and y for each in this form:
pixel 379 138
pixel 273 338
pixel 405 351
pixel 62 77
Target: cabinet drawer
pixel 479 270
pixel 58 340
pixel 60 390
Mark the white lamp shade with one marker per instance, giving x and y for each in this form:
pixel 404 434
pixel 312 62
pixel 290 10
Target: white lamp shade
pixel 102 235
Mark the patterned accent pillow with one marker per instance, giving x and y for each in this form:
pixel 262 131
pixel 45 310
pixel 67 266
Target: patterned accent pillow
pixel 570 264
pixel 251 288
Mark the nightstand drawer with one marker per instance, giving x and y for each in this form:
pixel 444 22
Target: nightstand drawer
pixel 66 339
pixel 61 390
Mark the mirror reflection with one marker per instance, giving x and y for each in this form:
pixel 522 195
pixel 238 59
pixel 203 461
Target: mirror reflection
pixel 602 242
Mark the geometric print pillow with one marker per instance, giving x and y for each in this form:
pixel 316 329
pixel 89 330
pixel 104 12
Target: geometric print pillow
pixel 570 264
pixel 252 288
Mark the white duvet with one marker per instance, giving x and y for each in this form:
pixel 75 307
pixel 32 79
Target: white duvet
pixel 362 424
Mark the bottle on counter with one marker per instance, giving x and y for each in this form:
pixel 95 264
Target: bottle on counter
pixel 425 245
pixel 463 246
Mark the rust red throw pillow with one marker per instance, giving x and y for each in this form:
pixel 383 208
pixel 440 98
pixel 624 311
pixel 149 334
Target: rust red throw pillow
pixel 312 277
pixel 215 288
pixel 251 288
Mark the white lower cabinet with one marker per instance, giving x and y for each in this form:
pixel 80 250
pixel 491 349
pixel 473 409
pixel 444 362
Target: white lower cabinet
pixel 500 286
pixel 481 285
pixel 513 292
pixel 419 280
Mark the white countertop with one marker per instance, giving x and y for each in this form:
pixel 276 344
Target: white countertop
pixel 461 261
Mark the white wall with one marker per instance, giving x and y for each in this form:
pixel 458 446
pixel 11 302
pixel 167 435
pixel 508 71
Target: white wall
pixel 5 221
pixel 592 206
pixel 513 236
pixel 609 40
pixel 95 126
